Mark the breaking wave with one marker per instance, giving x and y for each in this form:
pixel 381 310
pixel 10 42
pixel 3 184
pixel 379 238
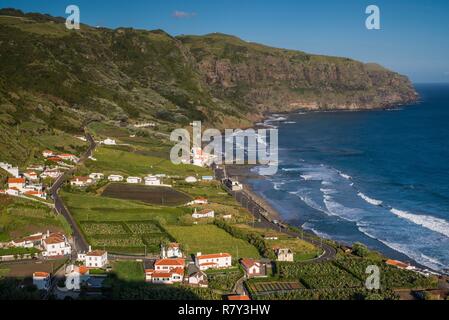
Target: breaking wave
pixel 432 223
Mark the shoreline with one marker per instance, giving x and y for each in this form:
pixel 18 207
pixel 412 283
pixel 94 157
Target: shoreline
pixel 244 173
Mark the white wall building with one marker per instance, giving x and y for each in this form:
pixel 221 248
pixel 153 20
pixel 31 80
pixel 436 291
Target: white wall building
pixel 81 181
pixel 152 181
pixel 96 176
pixel 109 142
pixel 115 178
pixel 55 245
pixel 206 213
pixel 134 180
pixel 94 259
pixel 172 250
pixel 213 261
pixel 41 280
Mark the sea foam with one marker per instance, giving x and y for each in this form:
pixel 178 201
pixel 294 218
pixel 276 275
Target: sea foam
pixel 372 201
pixel 429 222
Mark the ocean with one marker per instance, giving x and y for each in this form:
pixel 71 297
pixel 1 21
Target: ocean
pixel 376 177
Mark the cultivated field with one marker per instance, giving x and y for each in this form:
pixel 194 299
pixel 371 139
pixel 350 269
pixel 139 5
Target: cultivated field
pixel 211 239
pixel 154 195
pixel 273 286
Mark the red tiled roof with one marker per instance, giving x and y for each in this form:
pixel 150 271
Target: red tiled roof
pixel 83 269
pixel 54 238
pixel 16 180
pixel 96 253
pixel 213 256
pixel 396 263
pixel 41 274
pixel 242 298
pixel 170 262
pixel 248 263
pixel 84 179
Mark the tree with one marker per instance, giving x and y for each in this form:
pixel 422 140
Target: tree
pixel 360 250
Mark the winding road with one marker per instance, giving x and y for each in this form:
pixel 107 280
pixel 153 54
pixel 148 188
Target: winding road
pixel 80 243
pixel 262 220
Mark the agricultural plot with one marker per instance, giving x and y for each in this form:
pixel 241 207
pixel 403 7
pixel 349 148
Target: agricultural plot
pixel 124 237
pixel 223 280
pixel 273 286
pixel 137 164
pixel 211 239
pixel 318 276
pixel 164 196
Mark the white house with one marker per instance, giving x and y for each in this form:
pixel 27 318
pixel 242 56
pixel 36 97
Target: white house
pixel 164 277
pixel 109 142
pixel 30 241
pixel 51 173
pixel 48 153
pixel 96 176
pixel 41 280
pixel 31 175
pixel 199 201
pixel 16 183
pixel 169 264
pixel 94 259
pixel 200 158
pixel 191 180
pixel 198 279
pixel 213 261
pixel 13 192
pixel 172 250
pixel 206 213
pixel 81 181
pixel 68 157
pixel 115 178
pixel 14 171
pixel 253 268
pixel 36 193
pixel 233 185
pixel 284 254
pixel 152 181
pixel 56 245
pixel 134 180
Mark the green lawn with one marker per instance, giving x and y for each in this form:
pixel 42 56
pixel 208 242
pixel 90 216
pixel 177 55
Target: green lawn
pixel 211 239
pixel 129 271
pixel 110 160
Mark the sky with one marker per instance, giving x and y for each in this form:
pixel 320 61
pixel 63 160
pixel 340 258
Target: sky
pixel 413 39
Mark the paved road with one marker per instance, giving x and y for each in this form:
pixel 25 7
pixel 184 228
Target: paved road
pixel 80 243
pixel 263 221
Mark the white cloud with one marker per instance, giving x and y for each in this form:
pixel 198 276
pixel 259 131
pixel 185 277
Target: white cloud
pixel 182 14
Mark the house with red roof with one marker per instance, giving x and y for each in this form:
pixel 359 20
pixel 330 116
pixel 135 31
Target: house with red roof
pixel 56 245
pixel 169 264
pixel 175 275
pixel 213 261
pixel 206 213
pixel 16 183
pixel 253 268
pixel 41 280
pixel 172 250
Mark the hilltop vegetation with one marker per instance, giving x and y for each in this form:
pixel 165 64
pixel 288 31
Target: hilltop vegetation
pixel 56 79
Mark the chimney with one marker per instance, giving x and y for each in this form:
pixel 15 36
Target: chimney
pixel 90 248
pixel 198 254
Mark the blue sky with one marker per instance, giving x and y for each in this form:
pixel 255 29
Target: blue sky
pixel 413 39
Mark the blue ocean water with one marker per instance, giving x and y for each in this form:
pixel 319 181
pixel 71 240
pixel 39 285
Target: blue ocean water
pixel 379 177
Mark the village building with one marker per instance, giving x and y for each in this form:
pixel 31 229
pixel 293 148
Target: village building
pixel 14 171
pixel 16 183
pixel 75 276
pixel 253 268
pixel 31 175
pixel 152 181
pixel 233 185
pixel 115 178
pixel 41 280
pixel 13 192
pixel 284 254
pixel 51 173
pixel 96 176
pixel 206 213
pixel 36 193
pixel 200 201
pixel 171 250
pixel 55 159
pixel 109 142
pixel 81 181
pixel 134 180
pixel 94 258
pixel 191 179
pixel 68 157
pixel 48 153
pixel 29 242
pixel 56 245
pixel 164 277
pixel 169 264
pixel 399 264
pixel 198 279
pixel 238 298
pixel 213 261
